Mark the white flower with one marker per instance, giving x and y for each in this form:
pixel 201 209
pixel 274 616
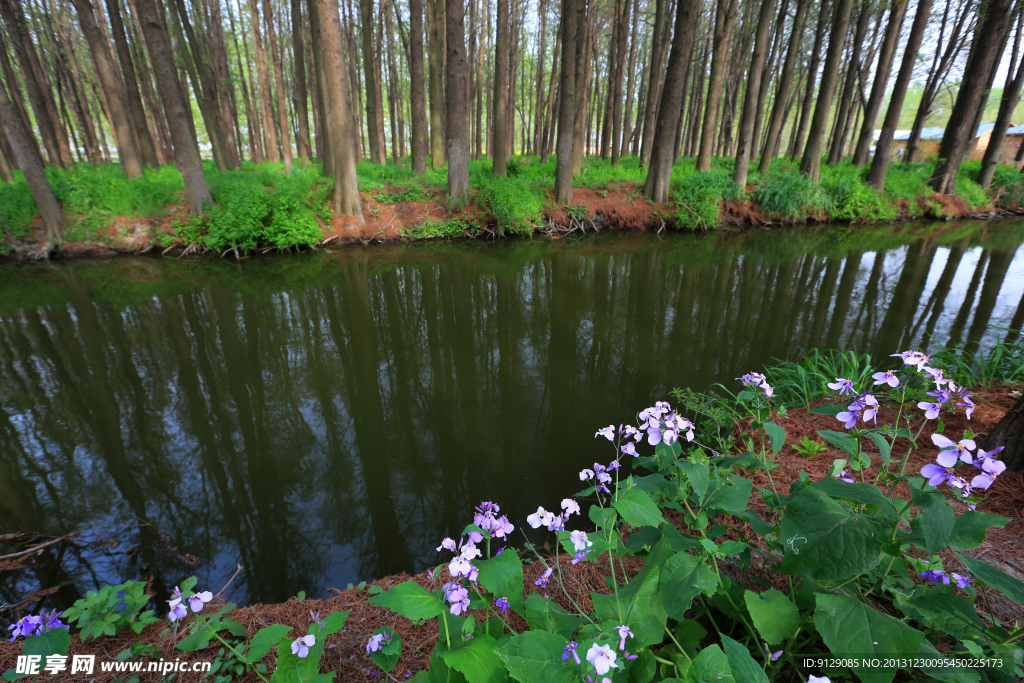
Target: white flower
pixel 602 657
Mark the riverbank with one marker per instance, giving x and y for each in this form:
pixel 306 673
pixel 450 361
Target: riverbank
pixel 346 654
pixel 260 209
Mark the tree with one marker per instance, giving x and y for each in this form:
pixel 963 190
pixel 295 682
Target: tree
pixel 835 154
pixel 746 142
pixel 1009 433
pixel 566 103
pixel 500 100
pixel 371 72
pixel 186 148
pixel 726 15
pixel 1007 103
pixel 282 100
pixel 981 63
pixel 147 150
pixel 417 88
pixel 659 174
pixel 897 13
pixel 883 149
pixel 780 108
pixel 341 133
pixel 811 161
pixel 437 103
pixel 302 138
pixel 456 101
pixel 263 73
pixel 25 153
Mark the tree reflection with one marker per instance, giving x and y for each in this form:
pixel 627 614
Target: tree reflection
pixel 329 419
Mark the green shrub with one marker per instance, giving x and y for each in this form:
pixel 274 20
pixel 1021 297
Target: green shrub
pixel 698 196
pixel 17 209
pixel 515 202
pixel 852 198
pixel 444 228
pixel 791 196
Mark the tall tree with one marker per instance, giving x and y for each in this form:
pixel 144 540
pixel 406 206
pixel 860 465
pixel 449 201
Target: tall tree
pixel 981 63
pixel 263 73
pixel 417 87
pixel 371 72
pixel 621 39
pixel 341 134
pixel 811 161
pixel 282 99
pixel 302 138
pixel 456 101
pixel 499 153
pixel 780 108
pixel 726 16
pixel 835 154
pixel 897 13
pixel 31 164
pixel 436 67
pixel 659 174
pixel 147 150
pixel 221 74
pixel 1007 103
pixel 566 103
pixel 745 141
pixel 186 148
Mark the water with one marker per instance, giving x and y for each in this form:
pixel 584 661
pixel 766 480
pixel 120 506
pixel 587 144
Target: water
pixel 326 418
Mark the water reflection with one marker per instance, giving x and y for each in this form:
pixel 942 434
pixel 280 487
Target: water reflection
pixel 328 418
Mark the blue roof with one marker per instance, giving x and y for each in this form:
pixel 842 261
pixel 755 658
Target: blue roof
pixel 1016 130
pixel 932 133
pixel 984 128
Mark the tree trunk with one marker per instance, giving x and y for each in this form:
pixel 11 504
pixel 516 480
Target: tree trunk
pixel 982 60
pixel 436 66
pixel 835 154
pixel 31 164
pixel 499 153
pixel 897 13
pixel 417 88
pixel 538 110
pixel 282 100
pixel 807 103
pixel 221 86
pixel 811 161
pixel 147 149
pixel 779 107
pixel 1009 433
pixel 627 125
pixel 457 95
pixel 581 82
pixel 883 149
pixel 745 141
pixel 658 176
pixel 622 27
pixel 324 113
pixel 273 155
pixel 566 103
pixel 302 139
pixel 186 149
pixel 726 16
pixel 341 134
pixel 371 73
pixel 654 81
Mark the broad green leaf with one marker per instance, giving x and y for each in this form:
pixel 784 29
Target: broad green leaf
pixel 537 656
pixel 637 603
pixel 841 440
pixel 944 611
pixel 652 483
pixel 868 494
pixel 774 615
pixel 53 642
pixel 502 575
pixel 711 665
pixel 333 623
pixel 410 600
pixel 729 495
pixel 387 656
pixel 744 668
pixel 603 518
pixel 849 626
pixel 684 577
pixel 698 475
pixel 637 508
pixel 477 660
pixel 1004 583
pixel 777 436
pixel 748 460
pixel 826 409
pixel 264 641
pixel 643 668
pixel 937 519
pixel 946 673
pixel 544 614
pixel 884 448
pixel 826 541
pixel 756 523
pixel 970 529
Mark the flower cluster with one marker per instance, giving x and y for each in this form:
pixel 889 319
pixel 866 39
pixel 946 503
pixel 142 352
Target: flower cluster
pixel 37 625
pixel 940 576
pixel 755 380
pixel 952 453
pixel 457 596
pixel 864 407
pixel 553 522
pixel 945 390
pixel 486 518
pixel 195 602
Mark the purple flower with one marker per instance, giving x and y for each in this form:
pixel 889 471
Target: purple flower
pixel 543 579
pixel 459 599
pixel 486 518
pixel 842 385
pixel 886 377
pixel 502 604
pixel 913 358
pixel 991 469
pixel 375 644
pixel 178 610
pixel 300 646
pixel 25 626
pixel 967 404
pixel 608 433
pixel 570 506
pixel 630 432
pixel 624 633
pixel 962 448
pixel 580 541
pixel 629 449
pixel 447 544
pixel 771 655
pixel 602 657
pixel 586 474
pixel 936 474
pixel 570 649
pixel 936 576
pixel 935 374
pixel 962 581
pixel 580 556
pixel 931 410
pixel 844 475
pixel 199 600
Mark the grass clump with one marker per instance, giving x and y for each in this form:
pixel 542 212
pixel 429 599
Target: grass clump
pixel 852 198
pixel 791 196
pixel 698 197
pixel 445 228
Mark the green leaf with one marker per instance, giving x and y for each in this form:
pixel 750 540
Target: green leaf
pixel 730 495
pixel 970 529
pixel 848 625
pixel 711 665
pixel 264 641
pixel 637 603
pixel 774 615
pixel 868 494
pixel 603 518
pixel 937 519
pixel 503 576
pixel 744 668
pixel 884 448
pixel 391 649
pixel 410 600
pixel 777 436
pixel 841 440
pixel 684 577
pixel 698 474
pixel 543 614
pixel 944 611
pixel 748 461
pixel 637 508
pixel 826 409
pixel 1004 583
pixel 537 656
pixel 53 642
pixel 826 541
pixel 477 660
pixel 333 623
pixel 756 523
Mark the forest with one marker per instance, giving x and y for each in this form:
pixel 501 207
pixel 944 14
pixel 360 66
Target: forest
pixel 258 105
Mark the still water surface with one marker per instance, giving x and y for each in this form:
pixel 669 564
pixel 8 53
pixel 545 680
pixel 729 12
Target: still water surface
pixel 326 418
